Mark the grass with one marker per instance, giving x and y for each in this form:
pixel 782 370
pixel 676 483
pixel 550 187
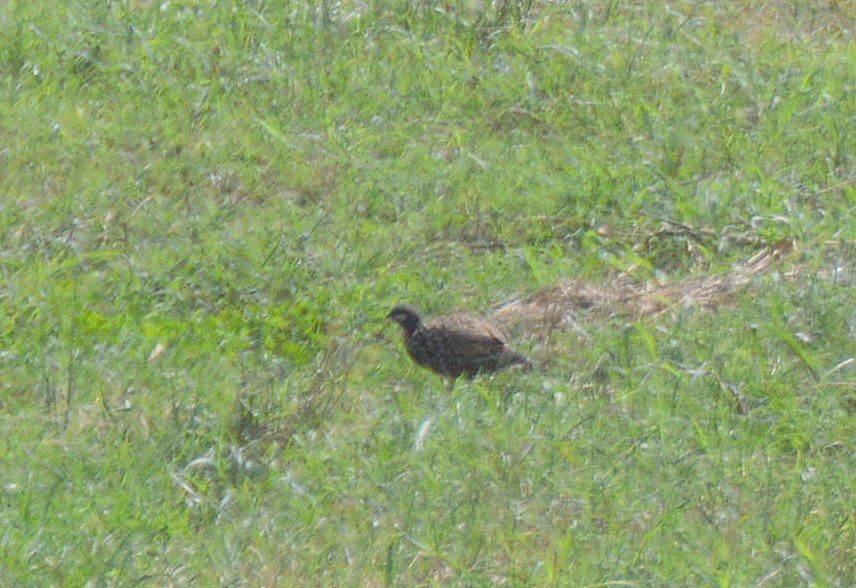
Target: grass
pixel 206 209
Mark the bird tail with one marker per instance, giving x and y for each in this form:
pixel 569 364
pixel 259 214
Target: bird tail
pixel 511 357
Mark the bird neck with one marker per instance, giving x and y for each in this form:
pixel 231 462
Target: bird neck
pixel 412 325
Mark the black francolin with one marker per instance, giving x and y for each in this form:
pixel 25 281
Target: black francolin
pixel 455 345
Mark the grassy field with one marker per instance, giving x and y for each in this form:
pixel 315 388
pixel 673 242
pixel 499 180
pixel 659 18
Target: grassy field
pixel 208 207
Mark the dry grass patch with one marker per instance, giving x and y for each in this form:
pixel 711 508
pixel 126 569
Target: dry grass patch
pixel 562 305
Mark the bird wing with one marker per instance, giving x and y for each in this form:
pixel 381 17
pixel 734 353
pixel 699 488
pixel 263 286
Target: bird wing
pixel 469 330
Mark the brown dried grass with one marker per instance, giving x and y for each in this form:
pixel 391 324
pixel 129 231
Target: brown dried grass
pixel 563 305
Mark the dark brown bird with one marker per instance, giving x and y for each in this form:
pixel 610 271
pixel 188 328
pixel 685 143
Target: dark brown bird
pixel 455 345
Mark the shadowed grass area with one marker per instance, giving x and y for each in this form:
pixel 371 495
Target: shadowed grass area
pixel 207 208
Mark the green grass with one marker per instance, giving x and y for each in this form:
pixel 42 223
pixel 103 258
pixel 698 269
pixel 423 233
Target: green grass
pixel 207 208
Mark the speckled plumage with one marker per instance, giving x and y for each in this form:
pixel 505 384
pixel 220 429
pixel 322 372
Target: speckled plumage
pixel 455 345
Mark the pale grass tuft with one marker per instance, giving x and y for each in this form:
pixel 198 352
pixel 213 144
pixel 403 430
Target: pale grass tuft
pixel 560 306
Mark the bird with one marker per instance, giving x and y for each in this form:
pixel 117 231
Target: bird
pixel 455 345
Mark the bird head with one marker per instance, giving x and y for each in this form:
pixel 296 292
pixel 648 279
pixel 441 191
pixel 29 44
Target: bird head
pixel 407 316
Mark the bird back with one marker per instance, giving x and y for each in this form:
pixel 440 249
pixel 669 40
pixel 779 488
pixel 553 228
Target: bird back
pixel 459 344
